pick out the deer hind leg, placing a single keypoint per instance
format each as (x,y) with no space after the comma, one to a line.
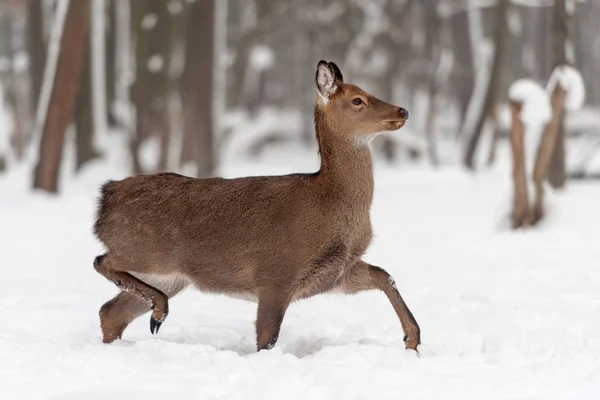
(118,313)
(137,298)
(271,309)
(364,276)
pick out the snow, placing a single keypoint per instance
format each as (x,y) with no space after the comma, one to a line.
(155,63)
(570,79)
(261,58)
(149,21)
(175,7)
(536,108)
(504,315)
(21,61)
(267,122)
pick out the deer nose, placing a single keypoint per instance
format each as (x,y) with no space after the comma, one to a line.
(404,113)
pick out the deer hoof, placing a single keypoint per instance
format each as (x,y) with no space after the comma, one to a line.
(154,324)
(411,343)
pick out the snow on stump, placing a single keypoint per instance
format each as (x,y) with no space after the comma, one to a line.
(530,109)
(567,93)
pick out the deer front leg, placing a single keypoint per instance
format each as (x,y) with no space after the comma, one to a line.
(271,309)
(118,313)
(364,276)
(158,301)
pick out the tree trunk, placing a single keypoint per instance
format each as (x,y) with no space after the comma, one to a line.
(84,130)
(561,36)
(16,87)
(430,125)
(151,88)
(198,83)
(163,37)
(500,52)
(546,149)
(496,136)
(521,215)
(557,176)
(140,90)
(434,54)
(256,34)
(64,92)
(110,60)
(462,83)
(37,49)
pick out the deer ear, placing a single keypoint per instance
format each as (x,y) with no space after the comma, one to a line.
(325,80)
(336,72)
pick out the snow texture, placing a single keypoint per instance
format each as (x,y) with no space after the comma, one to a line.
(504,315)
(570,79)
(536,108)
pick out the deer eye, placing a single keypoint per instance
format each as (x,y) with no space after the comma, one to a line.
(356,101)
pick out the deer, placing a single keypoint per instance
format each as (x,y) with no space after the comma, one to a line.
(273,240)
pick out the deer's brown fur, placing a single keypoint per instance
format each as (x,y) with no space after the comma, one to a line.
(275,239)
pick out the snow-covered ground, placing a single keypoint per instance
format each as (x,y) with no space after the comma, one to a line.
(504,315)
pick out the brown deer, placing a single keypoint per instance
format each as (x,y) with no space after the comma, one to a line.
(272,239)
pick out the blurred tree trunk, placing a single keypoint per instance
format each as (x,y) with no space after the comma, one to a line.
(110,59)
(462,82)
(154,31)
(197,88)
(434,55)
(62,98)
(521,215)
(494,82)
(394,41)
(84,131)
(561,38)
(546,149)
(162,37)
(140,90)
(15,86)
(37,49)
(254,35)
(496,135)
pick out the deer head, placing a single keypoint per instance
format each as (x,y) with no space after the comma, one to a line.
(350,112)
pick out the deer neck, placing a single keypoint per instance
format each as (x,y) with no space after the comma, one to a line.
(346,168)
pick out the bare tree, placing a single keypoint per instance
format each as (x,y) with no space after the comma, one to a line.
(154,33)
(561,43)
(434,52)
(521,215)
(37,48)
(110,60)
(546,149)
(84,130)
(62,99)
(197,88)
(494,82)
